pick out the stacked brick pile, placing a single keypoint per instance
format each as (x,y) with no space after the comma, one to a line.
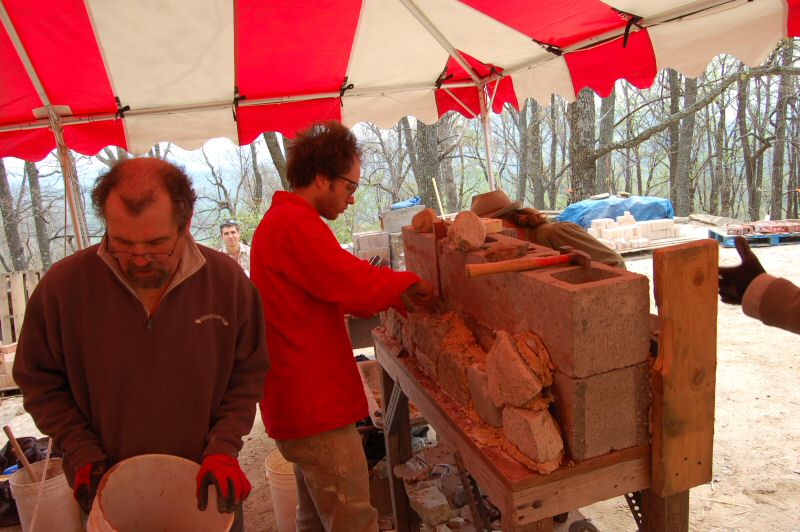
(592,325)
(627,233)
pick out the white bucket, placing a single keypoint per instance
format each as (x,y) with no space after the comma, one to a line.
(282,486)
(154,492)
(58,509)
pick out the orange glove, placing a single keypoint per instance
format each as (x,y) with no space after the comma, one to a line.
(224,472)
(87,479)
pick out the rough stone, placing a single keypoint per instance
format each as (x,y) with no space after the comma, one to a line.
(479,389)
(431,505)
(422,222)
(591,321)
(501,247)
(451,369)
(393,322)
(604,412)
(534,433)
(421,257)
(467,232)
(511,382)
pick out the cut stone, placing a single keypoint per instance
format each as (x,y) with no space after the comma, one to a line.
(452,372)
(534,433)
(423,221)
(501,247)
(605,412)
(431,505)
(479,389)
(421,257)
(467,232)
(511,381)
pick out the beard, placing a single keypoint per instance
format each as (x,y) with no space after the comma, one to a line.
(153,275)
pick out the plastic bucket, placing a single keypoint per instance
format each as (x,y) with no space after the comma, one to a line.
(154,492)
(282,487)
(58,510)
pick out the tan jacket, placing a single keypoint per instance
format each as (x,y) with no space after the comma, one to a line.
(774,301)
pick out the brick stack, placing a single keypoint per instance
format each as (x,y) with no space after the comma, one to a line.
(594,324)
(6,363)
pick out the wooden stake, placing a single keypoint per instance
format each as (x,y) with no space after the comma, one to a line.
(20,455)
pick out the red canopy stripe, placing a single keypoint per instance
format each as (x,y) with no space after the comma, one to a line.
(599,67)
(468,96)
(793,22)
(291,48)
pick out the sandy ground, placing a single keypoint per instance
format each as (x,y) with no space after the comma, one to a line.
(756,483)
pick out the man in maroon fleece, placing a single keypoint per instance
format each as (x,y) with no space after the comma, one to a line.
(146,342)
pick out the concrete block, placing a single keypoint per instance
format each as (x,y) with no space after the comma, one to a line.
(394,220)
(479,390)
(534,433)
(370,239)
(431,505)
(511,381)
(591,320)
(604,412)
(421,256)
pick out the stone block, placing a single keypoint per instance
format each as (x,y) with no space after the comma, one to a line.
(591,320)
(511,381)
(421,257)
(451,370)
(370,240)
(479,390)
(394,220)
(467,232)
(535,433)
(604,412)
(431,505)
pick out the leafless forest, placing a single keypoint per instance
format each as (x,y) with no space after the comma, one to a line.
(725,143)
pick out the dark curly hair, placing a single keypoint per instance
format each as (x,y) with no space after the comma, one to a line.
(326,148)
(174,179)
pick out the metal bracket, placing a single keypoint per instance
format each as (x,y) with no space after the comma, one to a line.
(634,501)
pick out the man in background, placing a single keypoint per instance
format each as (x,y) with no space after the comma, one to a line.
(233,247)
(313,395)
(146,342)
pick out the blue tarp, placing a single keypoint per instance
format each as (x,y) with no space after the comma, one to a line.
(641,207)
(406,203)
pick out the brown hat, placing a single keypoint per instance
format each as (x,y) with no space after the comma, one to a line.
(493,204)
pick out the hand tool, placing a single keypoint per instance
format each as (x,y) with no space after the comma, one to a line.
(568,255)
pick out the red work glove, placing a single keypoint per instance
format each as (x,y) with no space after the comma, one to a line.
(222,471)
(87,479)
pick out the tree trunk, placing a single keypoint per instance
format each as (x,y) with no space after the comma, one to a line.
(524,156)
(605,177)
(278,159)
(39,219)
(258,180)
(683,206)
(742,91)
(674,133)
(423,157)
(552,191)
(581,145)
(11,223)
(537,162)
(448,181)
(784,92)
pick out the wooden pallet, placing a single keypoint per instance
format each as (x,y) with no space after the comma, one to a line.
(754,239)
(655,244)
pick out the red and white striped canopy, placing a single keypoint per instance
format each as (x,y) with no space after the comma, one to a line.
(130,74)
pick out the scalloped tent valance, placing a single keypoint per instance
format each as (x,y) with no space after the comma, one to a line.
(130,74)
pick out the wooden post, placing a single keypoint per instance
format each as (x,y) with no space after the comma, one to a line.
(684,374)
(665,514)
(397,434)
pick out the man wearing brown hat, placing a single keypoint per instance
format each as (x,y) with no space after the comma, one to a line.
(532,225)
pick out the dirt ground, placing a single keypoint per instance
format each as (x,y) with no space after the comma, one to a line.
(756,483)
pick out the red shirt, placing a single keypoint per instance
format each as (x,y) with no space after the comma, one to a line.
(307,283)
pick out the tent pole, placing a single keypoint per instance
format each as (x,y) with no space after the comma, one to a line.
(68,172)
(487,135)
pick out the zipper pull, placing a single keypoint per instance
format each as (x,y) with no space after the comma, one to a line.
(149,324)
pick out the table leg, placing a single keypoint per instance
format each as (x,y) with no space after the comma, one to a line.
(397,434)
(665,514)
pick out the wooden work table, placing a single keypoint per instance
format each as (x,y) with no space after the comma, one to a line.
(659,475)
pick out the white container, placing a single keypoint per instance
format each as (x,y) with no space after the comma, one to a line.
(57,510)
(154,492)
(282,487)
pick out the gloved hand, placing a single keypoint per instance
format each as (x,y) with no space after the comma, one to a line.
(734,280)
(87,479)
(419,294)
(224,472)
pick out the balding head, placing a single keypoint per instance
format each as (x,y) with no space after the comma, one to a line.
(138,181)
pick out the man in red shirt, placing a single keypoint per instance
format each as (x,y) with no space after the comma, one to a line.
(313,394)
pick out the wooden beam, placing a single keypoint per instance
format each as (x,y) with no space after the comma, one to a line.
(397,435)
(684,374)
(665,514)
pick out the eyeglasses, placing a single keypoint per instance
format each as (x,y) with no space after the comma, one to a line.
(157,256)
(228,223)
(352,186)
